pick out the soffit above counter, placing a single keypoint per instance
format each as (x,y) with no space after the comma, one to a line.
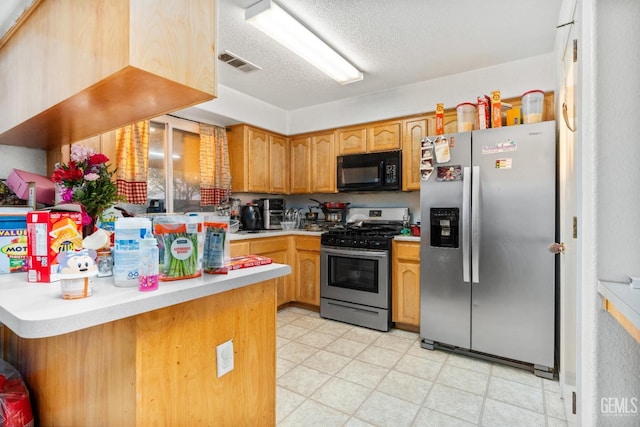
(121,64)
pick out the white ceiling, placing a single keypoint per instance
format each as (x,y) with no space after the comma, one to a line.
(393,42)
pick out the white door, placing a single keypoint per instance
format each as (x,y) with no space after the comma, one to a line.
(567,157)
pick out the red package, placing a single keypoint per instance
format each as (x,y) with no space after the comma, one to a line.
(243,261)
(15,406)
(484,112)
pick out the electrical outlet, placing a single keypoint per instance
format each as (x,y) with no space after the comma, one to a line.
(224,353)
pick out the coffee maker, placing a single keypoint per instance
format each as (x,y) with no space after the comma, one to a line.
(272,213)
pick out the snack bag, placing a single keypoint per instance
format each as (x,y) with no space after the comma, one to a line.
(216,247)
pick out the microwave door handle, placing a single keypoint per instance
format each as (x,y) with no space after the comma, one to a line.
(381,174)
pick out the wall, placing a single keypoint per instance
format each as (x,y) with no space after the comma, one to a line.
(610,250)
(513,79)
(28,159)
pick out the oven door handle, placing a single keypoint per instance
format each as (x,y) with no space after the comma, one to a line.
(352,253)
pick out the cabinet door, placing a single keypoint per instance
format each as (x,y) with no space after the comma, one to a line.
(239,248)
(450,121)
(323,163)
(308,277)
(406,283)
(307,289)
(384,136)
(282,283)
(258,159)
(276,248)
(413,131)
(300,182)
(352,140)
(278,165)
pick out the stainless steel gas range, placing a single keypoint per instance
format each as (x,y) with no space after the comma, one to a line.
(355,267)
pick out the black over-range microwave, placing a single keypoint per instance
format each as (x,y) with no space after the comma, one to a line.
(370,171)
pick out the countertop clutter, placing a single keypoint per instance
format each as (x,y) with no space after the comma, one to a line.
(35,310)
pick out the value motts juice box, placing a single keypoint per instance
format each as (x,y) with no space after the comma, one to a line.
(48,234)
(13,243)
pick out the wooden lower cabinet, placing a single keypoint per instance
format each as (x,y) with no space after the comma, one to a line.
(302,253)
(307,270)
(276,248)
(406,283)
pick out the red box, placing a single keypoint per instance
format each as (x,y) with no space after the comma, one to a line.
(439,119)
(50,232)
(18,181)
(484,112)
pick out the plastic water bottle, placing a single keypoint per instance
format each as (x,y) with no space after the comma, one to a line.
(149,268)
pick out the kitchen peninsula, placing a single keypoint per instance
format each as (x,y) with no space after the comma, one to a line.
(124,357)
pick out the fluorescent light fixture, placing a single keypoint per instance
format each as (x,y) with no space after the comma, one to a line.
(282,27)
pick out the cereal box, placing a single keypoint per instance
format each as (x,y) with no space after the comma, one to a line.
(439,119)
(13,243)
(496,109)
(50,232)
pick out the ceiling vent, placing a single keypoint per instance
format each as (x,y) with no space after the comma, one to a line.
(237,62)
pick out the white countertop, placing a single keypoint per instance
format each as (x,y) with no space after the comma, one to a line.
(403,238)
(245,235)
(624,298)
(37,310)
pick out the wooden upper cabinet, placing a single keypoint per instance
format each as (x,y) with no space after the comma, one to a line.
(384,136)
(300,175)
(75,69)
(414,130)
(352,140)
(378,136)
(323,163)
(258,160)
(278,164)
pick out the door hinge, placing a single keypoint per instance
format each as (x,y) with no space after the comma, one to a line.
(575,50)
(574,398)
(575,227)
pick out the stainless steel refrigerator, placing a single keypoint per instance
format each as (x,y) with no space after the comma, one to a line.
(488,214)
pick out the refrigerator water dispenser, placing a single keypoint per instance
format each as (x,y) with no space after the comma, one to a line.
(445,227)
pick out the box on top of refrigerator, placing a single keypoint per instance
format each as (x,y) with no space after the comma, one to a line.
(13,242)
(50,232)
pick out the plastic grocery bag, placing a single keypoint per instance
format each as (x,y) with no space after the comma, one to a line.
(15,406)
(179,243)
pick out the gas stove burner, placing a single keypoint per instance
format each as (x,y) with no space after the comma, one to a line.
(367,228)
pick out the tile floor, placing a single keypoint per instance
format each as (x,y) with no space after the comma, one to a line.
(334,374)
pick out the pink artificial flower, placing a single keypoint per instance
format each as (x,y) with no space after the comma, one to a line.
(66,194)
(91,177)
(80,153)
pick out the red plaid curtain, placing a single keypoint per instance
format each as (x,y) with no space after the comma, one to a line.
(215,177)
(132,154)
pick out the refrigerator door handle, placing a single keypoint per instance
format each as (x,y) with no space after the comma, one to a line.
(466,215)
(475,225)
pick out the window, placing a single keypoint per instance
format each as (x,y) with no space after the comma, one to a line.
(174,159)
